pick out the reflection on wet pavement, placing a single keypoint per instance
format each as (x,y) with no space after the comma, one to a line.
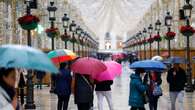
(46,101)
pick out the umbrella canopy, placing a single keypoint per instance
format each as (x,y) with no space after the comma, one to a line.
(89,66)
(18,56)
(175,59)
(148,65)
(113,69)
(61,55)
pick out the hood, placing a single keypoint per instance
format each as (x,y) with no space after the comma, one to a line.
(135,76)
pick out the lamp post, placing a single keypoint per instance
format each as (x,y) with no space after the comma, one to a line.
(188,11)
(157,28)
(30,91)
(86,48)
(52,9)
(144,35)
(78,32)
(150,29)
(138,37)
(168,23)
(73,30)
(65,21)
(83,43)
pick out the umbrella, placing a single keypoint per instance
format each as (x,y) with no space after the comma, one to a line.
(148,65)
(113,69)
(61,55)
(18,56)
(175,59)
(157,58)
(89,66)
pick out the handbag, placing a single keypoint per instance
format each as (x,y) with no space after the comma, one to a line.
(145,98)
(157,90)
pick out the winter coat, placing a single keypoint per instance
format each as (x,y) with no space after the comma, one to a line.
(104,85)
(83,89)
(137,89)
(63,83)
(177,82)
(4,100)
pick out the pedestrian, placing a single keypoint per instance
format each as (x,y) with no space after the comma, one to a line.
(40,75)
(8,97)
(21,86)
(155,81)
(63,87)
(176,78)
(83,92)
(137,89)
(103,89)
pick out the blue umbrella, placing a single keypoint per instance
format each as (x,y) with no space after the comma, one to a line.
(148,65)
(175,60)
(18,56)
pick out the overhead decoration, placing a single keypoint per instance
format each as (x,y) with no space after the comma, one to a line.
(52,32)
(170,35)
(187,30)
(150,40)
(28,22)
(157,38)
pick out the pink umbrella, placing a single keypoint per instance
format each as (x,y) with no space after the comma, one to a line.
(89,66)
(113,69)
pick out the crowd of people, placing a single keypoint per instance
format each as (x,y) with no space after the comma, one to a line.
(145,87)
(148,89)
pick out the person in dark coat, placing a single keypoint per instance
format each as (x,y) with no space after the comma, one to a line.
(176,78)
(103,89)
(63,86)
(154,79)
(137,89)
(83,92)
(39,75)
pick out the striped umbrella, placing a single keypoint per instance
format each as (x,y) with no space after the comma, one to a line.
(61,55)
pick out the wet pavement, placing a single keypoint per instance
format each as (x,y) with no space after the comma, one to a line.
(46,101)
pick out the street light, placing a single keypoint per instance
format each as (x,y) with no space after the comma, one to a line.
(78,32)
(86,41)
(144,34)
(82,41)
(52,9)
(168,23)
(30,91)
(188,11)
(138,37)
(157,26)
(150,29)
(168,20)
(65,21)
(73,30)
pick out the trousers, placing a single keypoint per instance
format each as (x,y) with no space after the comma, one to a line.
(108,96)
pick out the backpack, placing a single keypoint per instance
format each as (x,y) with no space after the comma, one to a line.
(157,90)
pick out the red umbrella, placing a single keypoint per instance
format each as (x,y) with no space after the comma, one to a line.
(89,66)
